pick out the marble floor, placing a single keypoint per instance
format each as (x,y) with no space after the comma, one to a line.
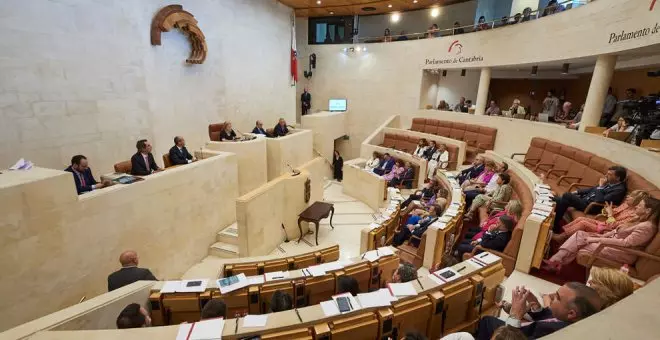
(350,217)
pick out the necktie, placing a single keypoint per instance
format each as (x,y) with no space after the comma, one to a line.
(146,162)
(82,179)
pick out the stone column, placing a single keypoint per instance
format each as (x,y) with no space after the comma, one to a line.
(482,94)
(600,82)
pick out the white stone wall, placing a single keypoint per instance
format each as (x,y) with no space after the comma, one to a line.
(80,76)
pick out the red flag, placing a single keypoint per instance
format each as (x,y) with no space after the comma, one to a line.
(294,56)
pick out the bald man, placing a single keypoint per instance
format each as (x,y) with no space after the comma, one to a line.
(129,272)
(179,155)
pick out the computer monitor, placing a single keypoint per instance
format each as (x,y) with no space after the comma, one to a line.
(337,105)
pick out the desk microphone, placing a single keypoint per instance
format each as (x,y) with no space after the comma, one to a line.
(293,127)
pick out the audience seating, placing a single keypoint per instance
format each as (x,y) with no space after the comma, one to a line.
(409,144)
(522,193)
(650,144)
(567,169)
(123,167)
(301,261)
(646,265)
(360,326)
(214,131)
(292,334)
(596,130)
(166,160)
(385,230)
(478,138)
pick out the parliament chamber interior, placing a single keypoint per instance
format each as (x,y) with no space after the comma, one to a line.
(332,169)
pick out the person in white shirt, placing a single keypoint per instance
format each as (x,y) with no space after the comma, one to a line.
(422,145)
(622,125)
(373,162)
(608,108)
(439,158)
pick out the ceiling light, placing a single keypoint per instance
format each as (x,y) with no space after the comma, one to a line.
(395,17)
(364,49)
(331,13)
(414,1)
(357,49)
(435,11)
(318,2)
(389,6)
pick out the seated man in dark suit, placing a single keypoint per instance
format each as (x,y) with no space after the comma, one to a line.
(611,188)
(473,171)
(495,239)
(179,155)
(385,166)
(82,175)
(571,303)
(143,163)
(259,129)
(129,272)
(417,229)
(281,128)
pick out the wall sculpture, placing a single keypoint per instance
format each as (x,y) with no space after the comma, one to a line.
(173,16)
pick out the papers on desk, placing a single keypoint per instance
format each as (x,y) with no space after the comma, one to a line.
(543,186)
(329,308)
(22,164)
(374,255)
(444,275)
(314,271)
(185,286)
(379,298)
(402,289)
(336,265)
(384,251)
(232,283)
(540,212)
(255,320)
(274,276)
(439,225)
(256,280)
(353,304)
(374,225)
(484,259)
(541,206)
(451,211)
(203,330)
(445,218)
(457,192)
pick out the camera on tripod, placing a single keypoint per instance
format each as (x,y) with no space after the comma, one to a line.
(644,114)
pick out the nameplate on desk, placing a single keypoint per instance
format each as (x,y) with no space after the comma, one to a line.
(274,276)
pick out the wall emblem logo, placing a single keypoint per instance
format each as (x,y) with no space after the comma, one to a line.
(456,46)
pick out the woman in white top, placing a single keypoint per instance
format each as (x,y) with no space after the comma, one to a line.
(439,158)
(422,145)
(373,162)
(622,125)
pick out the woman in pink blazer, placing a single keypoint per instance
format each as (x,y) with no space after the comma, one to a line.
(636,234)
(615,217)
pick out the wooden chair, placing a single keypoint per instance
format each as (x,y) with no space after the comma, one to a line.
(620,136)
(596,130)
(123,167)
(166,160)
(651,144)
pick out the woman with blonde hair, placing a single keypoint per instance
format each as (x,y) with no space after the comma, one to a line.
(612,285)
(443,106)
(614,216)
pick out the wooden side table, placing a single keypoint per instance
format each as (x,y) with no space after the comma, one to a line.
(314,214)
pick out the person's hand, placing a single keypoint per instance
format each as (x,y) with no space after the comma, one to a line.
(107,183)
(519,302)
(602,181)
(411,227)
(608,209)
(474,243)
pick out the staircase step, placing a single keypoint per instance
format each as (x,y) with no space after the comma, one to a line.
(228,235)
(224,250)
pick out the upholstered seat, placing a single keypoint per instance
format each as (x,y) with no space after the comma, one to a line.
(477,138)
(214,131)
(123,167)
(409,143)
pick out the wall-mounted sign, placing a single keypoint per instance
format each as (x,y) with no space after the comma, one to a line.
(456,49)
(640,33)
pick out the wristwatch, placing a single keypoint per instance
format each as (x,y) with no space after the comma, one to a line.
(513,321)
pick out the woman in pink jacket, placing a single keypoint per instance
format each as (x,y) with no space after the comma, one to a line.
(635,234)
(513,209)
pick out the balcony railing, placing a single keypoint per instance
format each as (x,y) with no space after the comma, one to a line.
(487,25)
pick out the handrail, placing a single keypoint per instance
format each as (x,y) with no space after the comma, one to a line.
(535,14)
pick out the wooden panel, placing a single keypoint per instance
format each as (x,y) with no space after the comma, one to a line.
(361,326)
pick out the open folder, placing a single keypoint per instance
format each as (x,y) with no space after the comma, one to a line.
(204,330)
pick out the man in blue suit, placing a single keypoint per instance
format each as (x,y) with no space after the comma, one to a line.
(385,166)
(82,175)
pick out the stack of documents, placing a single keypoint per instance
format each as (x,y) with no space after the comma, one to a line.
(402,289)
(203,330)
(232,283)
(374,255)
(379,298)
(255,320)
(484,259)
(314,271)
(184,286)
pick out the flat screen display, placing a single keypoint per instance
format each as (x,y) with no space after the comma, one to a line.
(337,105)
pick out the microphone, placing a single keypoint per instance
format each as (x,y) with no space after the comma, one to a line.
(293,127)
(294,172)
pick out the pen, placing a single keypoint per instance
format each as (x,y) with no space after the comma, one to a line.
(461,269)
(482,256)
(420,283)
(349,303)
(298,314)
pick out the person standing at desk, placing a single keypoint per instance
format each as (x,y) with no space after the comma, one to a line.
(179,155)
(82,175)
(281,129)
(306,100)
(142,162)
(259,129)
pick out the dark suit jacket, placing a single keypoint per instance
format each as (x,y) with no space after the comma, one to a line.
(541,328)
(306,97)
(89,180)
(496,240)
(279,131)
(471,172)
(178,157)
(419,231)
(610,193)
(138,168)
(429,153)
(387,165)
(258,131)
(128,275)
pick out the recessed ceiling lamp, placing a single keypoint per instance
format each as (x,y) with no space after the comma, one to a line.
(331,13)
(535,70)
(395,17)
(444,73)
(435,11)
(318,2)
(389,6)
(414,1)
(463,73)
(564,68)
